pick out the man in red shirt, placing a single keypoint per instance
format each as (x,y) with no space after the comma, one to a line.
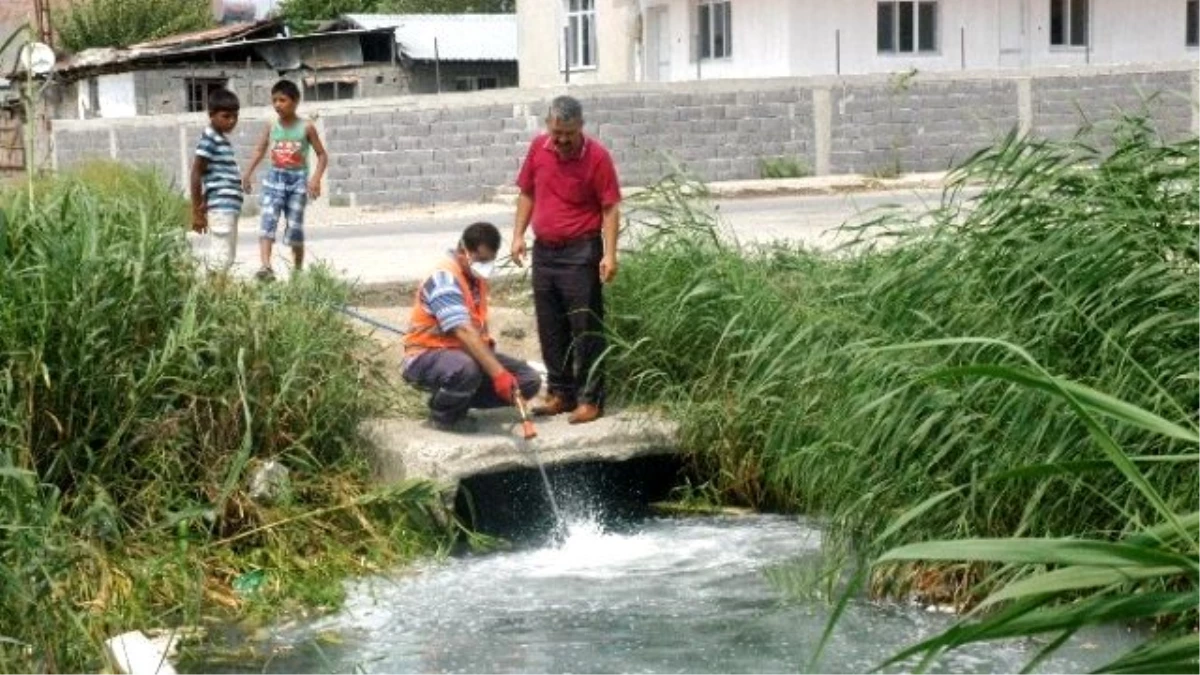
(569,191)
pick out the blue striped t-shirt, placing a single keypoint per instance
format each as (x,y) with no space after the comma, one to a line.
(222,180)
(443,298)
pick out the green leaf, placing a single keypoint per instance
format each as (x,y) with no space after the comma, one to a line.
(1090,611)
(1088,397)
(916,512)
(1079,577)
(1040,551)
(1174,655)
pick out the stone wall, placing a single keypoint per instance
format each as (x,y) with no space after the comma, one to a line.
(462,147)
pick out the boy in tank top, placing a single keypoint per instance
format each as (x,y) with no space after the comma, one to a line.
(288,185)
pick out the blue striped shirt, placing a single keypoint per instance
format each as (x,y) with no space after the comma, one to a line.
(222,181)
(443,298)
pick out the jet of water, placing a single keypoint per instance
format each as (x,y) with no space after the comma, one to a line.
(528,433)
(560,523)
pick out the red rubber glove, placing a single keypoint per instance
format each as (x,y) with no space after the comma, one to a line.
(505,386)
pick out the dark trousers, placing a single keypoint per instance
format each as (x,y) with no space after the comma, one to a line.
(569,304)
(456,382)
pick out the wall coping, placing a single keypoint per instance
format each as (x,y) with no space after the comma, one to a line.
(540,96)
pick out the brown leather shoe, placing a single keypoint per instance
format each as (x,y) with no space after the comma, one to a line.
(553,405)
(585,413)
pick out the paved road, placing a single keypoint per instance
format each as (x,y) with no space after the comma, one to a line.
(398,249)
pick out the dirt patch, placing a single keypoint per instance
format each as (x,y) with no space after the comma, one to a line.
(507,291)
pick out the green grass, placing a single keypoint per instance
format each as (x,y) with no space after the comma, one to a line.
(782,167)
(136,395)
(773,358)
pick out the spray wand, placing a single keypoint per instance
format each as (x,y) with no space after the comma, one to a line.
(527,430)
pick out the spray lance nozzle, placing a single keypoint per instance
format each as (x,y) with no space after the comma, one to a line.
(527,430)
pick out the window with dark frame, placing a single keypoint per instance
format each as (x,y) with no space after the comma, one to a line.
(1069,23)
(199,89)
(906,27)
(1192,38)
(714,20)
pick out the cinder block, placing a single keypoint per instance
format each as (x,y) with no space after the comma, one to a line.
(417,156)
(388,170)
(378,119)
(433,168)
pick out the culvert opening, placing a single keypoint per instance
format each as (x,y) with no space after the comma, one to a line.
(513,504)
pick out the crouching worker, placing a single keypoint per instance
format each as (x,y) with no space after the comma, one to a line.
(447,350)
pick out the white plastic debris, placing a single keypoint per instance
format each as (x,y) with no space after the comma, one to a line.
(133,653)
(269,482)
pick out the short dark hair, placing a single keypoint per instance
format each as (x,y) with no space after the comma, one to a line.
(222,100)
(481,234)
(287,88)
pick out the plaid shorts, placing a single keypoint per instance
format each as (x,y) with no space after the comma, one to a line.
(285,192)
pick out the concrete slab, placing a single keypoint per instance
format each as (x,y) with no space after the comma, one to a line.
(411,449)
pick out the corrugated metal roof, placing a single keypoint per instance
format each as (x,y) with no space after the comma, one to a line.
(213,35)
(107,56)
(104,56)
(460,37)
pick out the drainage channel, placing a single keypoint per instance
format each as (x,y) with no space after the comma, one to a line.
(623,591)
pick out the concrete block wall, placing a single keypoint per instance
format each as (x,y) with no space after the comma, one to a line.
(82,146)
(1060,103)
(919,126)
(166,144)
(155,146)
(425,156)
(719,135)
(420,150)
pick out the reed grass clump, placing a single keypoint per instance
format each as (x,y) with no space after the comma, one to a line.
(772,357)
(993,405)
(136,397)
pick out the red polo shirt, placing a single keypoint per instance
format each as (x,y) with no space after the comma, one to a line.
(568,194)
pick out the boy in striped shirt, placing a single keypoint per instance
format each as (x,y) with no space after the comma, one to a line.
(216,183)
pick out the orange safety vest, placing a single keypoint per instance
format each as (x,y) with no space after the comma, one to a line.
(423,331)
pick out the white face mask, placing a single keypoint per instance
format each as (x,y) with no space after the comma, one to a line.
(483,270)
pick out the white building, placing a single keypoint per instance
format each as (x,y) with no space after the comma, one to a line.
(612,41)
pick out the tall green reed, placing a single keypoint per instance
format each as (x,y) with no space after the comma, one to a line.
(136,394)
(770,357)
(1057,586)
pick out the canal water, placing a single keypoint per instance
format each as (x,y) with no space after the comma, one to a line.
(660,595)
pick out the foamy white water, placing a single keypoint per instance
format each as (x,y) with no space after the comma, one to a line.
(662,596)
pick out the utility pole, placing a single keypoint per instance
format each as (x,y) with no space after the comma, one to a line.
(41,17)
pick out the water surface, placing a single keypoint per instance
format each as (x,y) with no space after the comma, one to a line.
(659,596)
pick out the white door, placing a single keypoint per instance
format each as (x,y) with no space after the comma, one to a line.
(658,45)
(1013,43)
